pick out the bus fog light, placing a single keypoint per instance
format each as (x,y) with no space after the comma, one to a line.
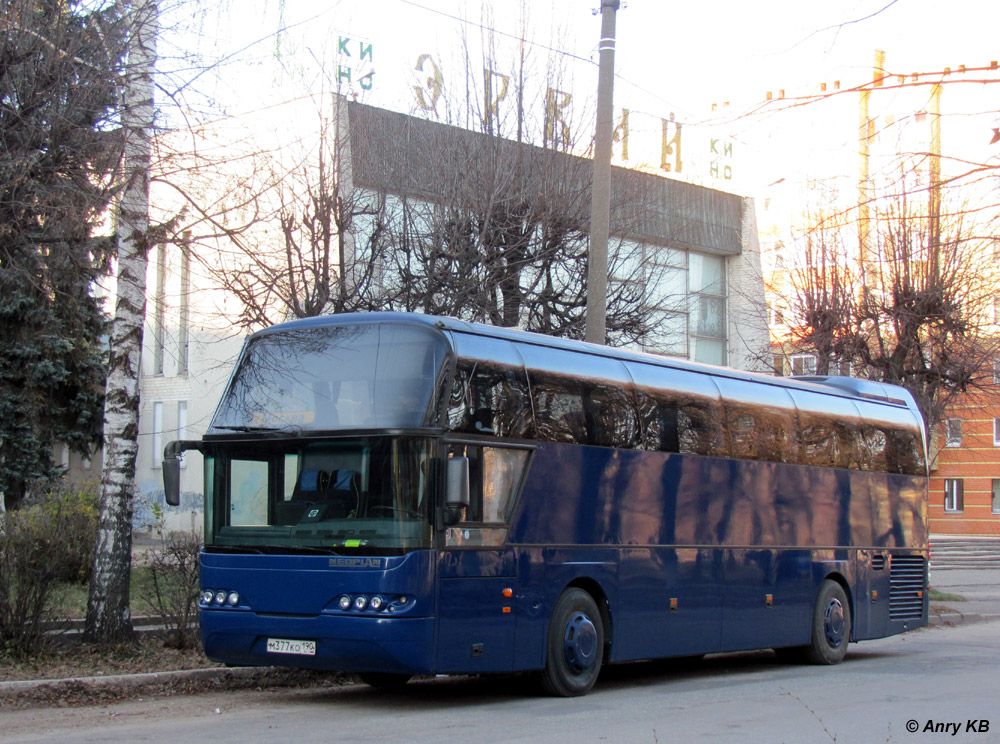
(376,603)
(207,596)
(233,599)
(220,597)
(344,602)
(360,602)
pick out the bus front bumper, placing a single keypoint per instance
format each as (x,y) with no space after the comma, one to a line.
(349,644)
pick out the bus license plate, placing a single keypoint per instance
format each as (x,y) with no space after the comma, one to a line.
(285,646)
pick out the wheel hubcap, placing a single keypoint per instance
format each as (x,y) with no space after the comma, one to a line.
(580,643)
(834,623)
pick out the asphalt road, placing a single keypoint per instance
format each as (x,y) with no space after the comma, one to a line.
(937,677)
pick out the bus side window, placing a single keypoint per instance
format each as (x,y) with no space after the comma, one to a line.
(904,453)
(681,424)
(761,421)
(820,445)
(489,398)
(559,409)
(494,478)
(669,427)
(873,449)
(610,415)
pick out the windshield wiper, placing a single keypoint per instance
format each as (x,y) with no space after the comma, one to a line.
(270,549)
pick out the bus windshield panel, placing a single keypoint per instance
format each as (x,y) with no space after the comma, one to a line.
(369,495)
(334,377)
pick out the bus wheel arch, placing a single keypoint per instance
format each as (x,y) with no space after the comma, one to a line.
(576,642)
(831,622)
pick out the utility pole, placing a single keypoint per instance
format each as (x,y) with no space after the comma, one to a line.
(600,205)
(935,174)
(865,135)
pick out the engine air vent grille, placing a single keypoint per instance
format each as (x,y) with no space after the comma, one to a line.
(906,586)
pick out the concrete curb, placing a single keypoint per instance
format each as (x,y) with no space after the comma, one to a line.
(129,681)
(959,618)
(137,681)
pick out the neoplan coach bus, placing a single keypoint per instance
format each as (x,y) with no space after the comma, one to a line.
(397,495)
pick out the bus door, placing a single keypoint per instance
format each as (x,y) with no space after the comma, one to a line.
(478,586)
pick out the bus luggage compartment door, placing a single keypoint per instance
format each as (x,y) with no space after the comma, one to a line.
(476,611)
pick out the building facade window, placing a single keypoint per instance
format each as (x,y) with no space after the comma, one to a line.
(995,488)
(157,435)
(996,371)
(953,432)
(778,364)
(840,368)
(687,295)
(954,494)
(184,320)
(182,422)
(775,314)
(707,287)
(803,364)
(996,432)
(159,309)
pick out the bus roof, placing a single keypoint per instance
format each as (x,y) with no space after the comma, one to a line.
(848,387)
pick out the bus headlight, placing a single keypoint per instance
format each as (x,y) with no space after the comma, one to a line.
(344,602)
(376,603)
(360,602)
(220,597)
(233,599)
(207,596)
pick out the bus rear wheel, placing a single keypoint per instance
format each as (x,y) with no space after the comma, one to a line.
(575,645)
(831,625)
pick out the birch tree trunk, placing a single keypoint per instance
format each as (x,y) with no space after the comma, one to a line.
(108,613)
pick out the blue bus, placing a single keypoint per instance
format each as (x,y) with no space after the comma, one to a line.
(396,494)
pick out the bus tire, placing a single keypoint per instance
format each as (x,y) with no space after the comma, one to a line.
(575,646)
(831,625)
(384,680)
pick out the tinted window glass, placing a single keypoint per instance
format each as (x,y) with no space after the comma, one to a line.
(490,391)
(873,455)
(830,434)
(580,398)
(893,438)
(680,411)
(335,377)
(760,421)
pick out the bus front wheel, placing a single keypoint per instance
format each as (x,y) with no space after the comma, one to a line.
(831,625)
(575,645)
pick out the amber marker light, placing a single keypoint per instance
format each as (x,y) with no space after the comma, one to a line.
(508,593)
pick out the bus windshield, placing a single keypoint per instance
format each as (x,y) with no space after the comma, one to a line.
(368,495)
(330,377)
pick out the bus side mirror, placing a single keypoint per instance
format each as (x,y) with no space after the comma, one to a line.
(172,470)
(457,494)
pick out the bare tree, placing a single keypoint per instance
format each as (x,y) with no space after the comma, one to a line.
(277,228)
(917,312)
(474,221)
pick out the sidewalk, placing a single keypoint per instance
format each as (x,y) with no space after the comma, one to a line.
(981,589)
